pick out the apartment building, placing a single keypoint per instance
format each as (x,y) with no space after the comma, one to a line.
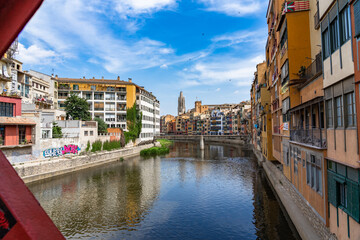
(109,99)
(16,132)
(304,159)
(163,122)
(150,108)
(217,122)
(341,122)
(43,91)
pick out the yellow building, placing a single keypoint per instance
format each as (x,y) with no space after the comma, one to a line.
(109,99)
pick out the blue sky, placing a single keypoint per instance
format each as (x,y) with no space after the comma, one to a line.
(206,48)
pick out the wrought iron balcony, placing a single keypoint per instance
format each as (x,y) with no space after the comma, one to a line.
(314,137)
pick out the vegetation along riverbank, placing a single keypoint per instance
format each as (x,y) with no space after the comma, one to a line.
(153,151)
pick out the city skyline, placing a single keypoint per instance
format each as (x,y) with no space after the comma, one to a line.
(138,40)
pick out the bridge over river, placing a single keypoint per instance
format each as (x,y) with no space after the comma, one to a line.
(225,139)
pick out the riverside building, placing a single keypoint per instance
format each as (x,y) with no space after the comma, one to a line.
(341,121)
(313,77)
(109,99)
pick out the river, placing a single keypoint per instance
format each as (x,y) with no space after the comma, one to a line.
(218,193)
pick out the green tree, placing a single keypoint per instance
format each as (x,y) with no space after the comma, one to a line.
(102,127)
(134,121)
(77,108)
(56,131)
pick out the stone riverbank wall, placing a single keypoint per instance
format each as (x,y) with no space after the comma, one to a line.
(306,222)
(47,168)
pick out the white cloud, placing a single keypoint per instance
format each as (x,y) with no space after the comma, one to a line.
(218,90)
(35,54)
(236,8)
(257,37)
(236,92)
(222,70)
(72,29)
(136,7)
(164,66)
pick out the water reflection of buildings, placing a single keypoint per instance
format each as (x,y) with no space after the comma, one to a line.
(268,217)
(117,196)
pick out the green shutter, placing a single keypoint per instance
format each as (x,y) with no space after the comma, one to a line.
(331,188)
(353,199)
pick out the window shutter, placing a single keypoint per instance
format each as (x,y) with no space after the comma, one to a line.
(332,189)
(353,199)
(357,18)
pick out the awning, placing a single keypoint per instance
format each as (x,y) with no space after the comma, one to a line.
(16,121)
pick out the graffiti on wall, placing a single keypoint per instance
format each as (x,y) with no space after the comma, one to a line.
(66,149)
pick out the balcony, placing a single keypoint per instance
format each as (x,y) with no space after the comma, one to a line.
(308,74)
(64,87)
(315,68)
(97,97)
(314,137)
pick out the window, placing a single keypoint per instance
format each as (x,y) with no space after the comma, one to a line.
(86,133)
(22,134)
(314,173)
(283,38)
(286,117)
(285,73)
(345,26)
(91,133)
(286,155)
(342,194)
(6,109)
(334,33)
(338,112)
(2,135)
(93,87)
(329,117)
(325,43)
(350,109)
(45,134)
(75,87)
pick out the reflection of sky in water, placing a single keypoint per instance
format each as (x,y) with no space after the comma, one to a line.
(192,194)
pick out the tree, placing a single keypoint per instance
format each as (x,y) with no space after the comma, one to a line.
(56,131)
(77,108)
(134,120)
(102,127)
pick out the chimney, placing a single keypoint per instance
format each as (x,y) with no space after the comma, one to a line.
(118,78)
(52,75)
(130,80)
(93,77)
(83,77)
(56,76)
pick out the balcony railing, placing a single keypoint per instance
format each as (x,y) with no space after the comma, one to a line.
(314,137)
(315,68)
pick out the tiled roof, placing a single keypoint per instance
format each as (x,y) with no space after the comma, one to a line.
(16,121)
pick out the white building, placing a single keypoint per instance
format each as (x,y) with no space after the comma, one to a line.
(150,108)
